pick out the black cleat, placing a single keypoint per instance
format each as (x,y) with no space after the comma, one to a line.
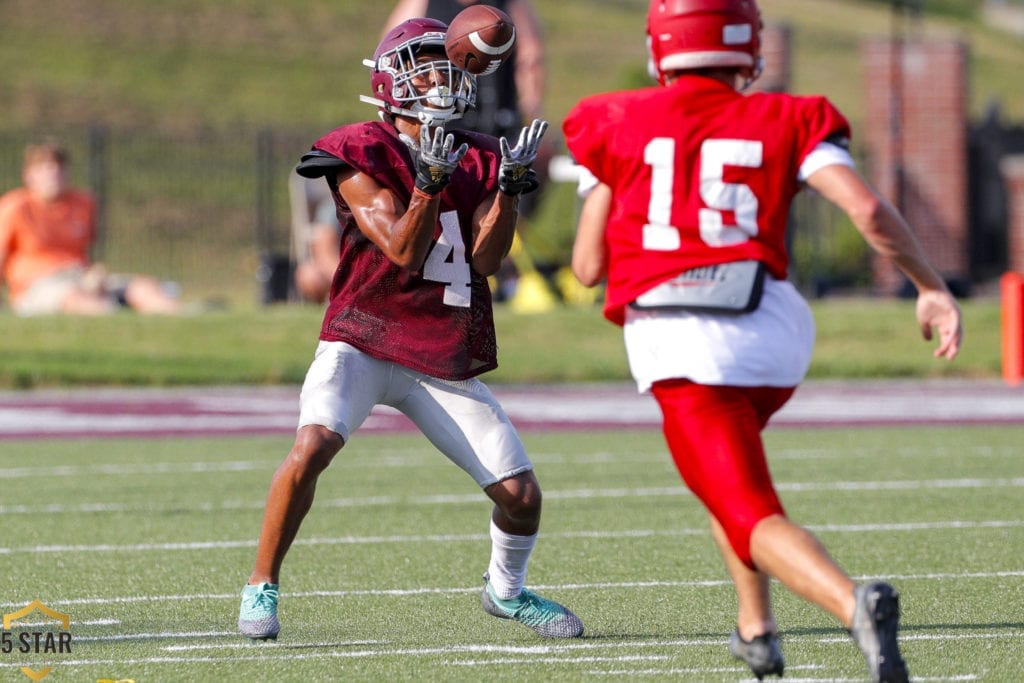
(876,619)
(763,653)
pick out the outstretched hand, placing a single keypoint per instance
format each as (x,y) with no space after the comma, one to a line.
(433,158)
(515,175)
(939,311)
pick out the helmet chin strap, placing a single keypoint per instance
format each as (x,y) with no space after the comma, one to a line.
(754,74)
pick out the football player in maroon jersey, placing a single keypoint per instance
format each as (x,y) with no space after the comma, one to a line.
(689,187)
(426,216)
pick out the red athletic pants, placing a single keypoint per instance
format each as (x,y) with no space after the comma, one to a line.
(714,435)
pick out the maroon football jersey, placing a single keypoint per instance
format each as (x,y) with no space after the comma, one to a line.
(437,320)
(700,175)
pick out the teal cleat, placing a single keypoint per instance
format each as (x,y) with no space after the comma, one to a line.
(257,617)
(545,617)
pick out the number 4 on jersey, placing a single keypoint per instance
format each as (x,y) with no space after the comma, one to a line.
(446,263)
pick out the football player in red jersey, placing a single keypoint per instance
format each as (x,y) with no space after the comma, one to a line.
(425,217)
(685,218)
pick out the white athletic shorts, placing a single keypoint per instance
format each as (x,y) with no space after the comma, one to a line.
(46,295)
(768,347)
(462,419)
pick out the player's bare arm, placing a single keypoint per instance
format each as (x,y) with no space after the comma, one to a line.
(880,225)
(885,230)
(589,254)
(403,233)
(494,226)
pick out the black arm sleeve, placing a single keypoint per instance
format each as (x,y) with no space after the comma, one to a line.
(840,140)
(318,163)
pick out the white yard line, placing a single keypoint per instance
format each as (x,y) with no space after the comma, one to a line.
(564,652)
(414,592)
(479,537)
(74,622)
(426,457)
(565,494)
(121,469)
(154,636)
(242,643)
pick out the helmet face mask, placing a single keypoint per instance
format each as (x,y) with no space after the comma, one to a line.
(704,34)
(413,77)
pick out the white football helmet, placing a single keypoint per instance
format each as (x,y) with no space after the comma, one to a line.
(395,71)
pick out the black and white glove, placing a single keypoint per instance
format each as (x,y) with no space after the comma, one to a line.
(515,175)
(434,159)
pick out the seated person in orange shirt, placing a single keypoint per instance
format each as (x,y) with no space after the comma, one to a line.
(46,230)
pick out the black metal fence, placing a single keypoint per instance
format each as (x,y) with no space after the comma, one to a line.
(210,209)
(206,210)
(989,140)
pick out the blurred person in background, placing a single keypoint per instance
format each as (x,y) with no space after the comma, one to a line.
(685,218)
(47,229)
(506,100)
(426,217)
(314,273)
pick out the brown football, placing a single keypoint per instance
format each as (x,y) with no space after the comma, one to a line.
(479,39)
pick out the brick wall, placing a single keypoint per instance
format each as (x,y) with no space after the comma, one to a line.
(926,128)
(1012,168)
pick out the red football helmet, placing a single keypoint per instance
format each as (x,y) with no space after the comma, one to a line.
(699,34)
(395,69)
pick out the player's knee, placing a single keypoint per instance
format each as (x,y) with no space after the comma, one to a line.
(525,509)
(314,449)
(519,498)
(739,529)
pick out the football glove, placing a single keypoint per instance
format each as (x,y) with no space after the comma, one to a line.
(434,159)
(515,175)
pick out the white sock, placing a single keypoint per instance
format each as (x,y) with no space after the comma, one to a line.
(509,555)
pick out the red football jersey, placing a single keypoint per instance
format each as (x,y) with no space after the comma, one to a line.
(700,175)
(438,320)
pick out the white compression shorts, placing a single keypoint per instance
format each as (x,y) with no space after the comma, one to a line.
(462,419)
